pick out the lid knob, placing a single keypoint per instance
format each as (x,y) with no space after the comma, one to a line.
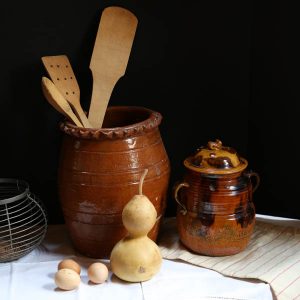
(217,145)
(216,159)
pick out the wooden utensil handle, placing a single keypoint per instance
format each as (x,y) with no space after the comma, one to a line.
(97,111)
(81,115)
(73,117)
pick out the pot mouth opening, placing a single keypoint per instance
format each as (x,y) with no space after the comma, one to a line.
(119,122)
(123,117)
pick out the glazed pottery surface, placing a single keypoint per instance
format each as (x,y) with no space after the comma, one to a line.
(99,173)
(215,215)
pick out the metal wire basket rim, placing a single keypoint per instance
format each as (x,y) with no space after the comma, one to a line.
(18,182)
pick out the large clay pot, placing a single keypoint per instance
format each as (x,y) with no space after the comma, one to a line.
(99,173)
(216,214)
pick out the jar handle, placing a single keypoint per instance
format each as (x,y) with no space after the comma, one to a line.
(257,179)
(177,187)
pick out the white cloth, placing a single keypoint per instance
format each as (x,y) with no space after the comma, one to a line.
(32,278)
(273,255)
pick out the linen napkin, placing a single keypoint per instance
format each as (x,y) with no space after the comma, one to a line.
(35,280)
(32,277)
(273,256)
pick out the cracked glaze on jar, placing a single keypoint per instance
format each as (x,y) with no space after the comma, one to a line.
(215,215)
(99,173)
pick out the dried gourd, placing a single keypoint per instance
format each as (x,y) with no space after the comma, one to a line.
(136,257)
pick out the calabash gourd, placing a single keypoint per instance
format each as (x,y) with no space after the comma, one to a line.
(136,257)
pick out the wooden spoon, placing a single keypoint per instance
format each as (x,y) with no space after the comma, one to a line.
(56,99)
(61,73)
(110,57)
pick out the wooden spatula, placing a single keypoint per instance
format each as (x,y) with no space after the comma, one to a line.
(55,98)
(110,57)
(62,75)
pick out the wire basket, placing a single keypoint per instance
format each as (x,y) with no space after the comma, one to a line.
(23,220)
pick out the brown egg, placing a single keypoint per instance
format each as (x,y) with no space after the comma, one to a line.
(69,264)
(67,279)
(97,272)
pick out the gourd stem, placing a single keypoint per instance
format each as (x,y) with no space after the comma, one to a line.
(142,182)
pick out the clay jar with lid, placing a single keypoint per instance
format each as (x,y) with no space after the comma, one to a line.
(216,214)
(100,170)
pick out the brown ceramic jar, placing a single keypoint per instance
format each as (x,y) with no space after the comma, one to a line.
(215,213)
(99,173)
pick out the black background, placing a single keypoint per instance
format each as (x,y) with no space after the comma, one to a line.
(213,69)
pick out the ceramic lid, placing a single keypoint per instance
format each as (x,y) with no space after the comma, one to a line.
(216,159)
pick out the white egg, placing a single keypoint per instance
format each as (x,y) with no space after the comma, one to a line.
(67,279)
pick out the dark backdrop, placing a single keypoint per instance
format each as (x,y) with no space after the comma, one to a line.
(214,69)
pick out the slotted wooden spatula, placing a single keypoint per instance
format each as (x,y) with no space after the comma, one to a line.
(110,57)
(62,75)
(56,99)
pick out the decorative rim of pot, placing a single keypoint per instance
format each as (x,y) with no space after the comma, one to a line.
(152,121)
(216,159)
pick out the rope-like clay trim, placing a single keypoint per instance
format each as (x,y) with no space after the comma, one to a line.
(113,133)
